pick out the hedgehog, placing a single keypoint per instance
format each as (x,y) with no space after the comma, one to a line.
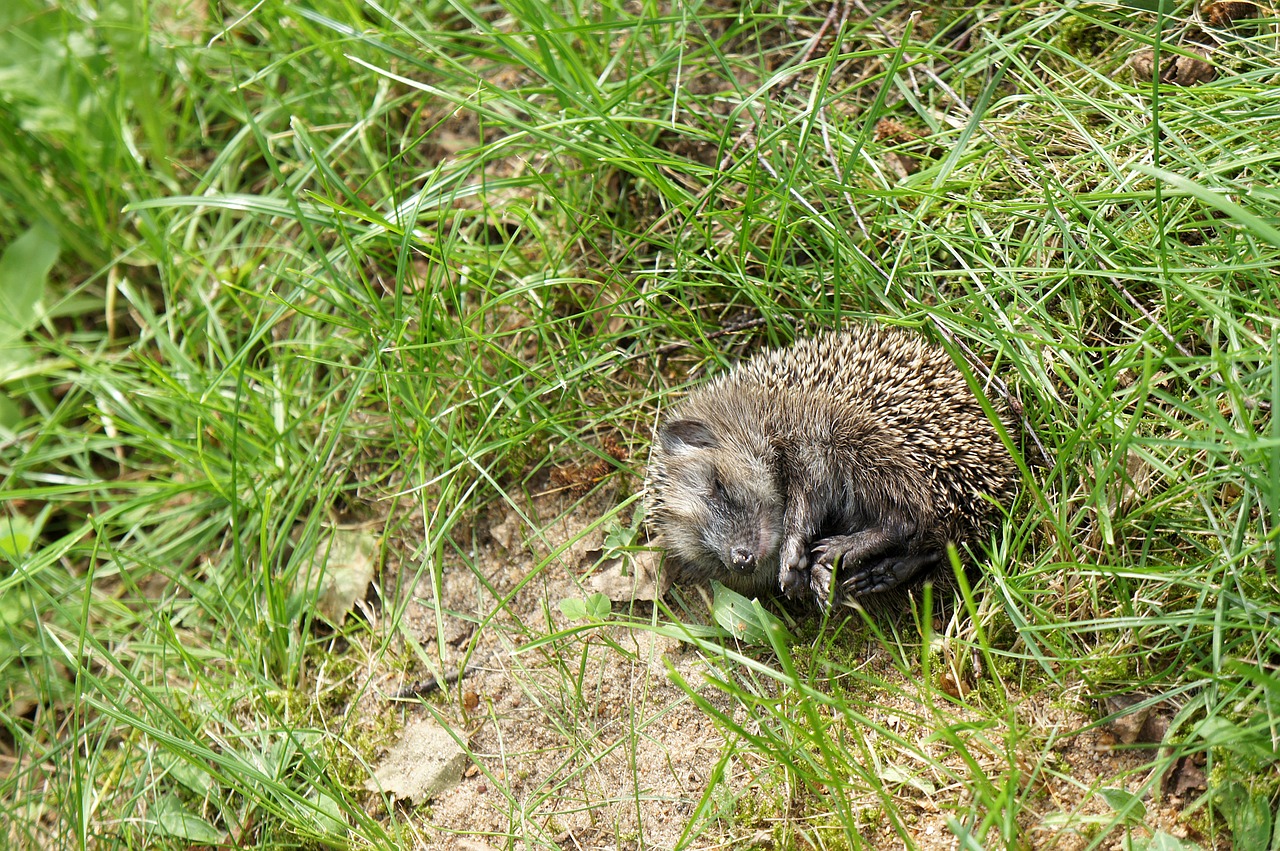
(834,470)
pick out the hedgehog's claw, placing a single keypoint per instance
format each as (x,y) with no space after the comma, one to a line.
(793,571)
(792,581)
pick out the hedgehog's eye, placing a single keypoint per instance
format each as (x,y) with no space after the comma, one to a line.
(718,490)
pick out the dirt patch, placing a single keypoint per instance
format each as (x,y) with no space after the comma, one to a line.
(578,735)
(576,730)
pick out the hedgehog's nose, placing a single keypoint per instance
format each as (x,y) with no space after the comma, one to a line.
(743,558)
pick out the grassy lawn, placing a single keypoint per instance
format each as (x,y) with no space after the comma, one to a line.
(333,335)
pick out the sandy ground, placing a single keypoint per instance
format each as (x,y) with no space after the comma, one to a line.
(581,738)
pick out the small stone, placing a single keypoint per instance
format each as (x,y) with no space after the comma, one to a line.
(1176,69)
(425,763)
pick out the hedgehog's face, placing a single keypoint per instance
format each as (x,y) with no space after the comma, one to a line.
(720,508)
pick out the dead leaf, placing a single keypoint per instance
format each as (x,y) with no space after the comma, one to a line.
(580,478)
(900,165)
(636,576)
(348,565)
(1224,14)
(1186,780)
(948,682)
(1138,480)
(894,131)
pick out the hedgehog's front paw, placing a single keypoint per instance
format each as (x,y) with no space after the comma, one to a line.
(828,559)
(820,584)
(793,572)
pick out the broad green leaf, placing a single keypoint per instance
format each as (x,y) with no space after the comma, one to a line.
(24,269)
(1161,841)
(10,413)
(190,776)
(1125,803)
(16,535)
(1218,732)
(574,608)
(896,774)
(327,816)
(1247,813)
(745,619)
(15,609)
(594,607)
(598,606)
(172,819)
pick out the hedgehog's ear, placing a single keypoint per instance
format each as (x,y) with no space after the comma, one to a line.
(683,436)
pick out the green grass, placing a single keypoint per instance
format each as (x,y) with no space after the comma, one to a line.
(290,267)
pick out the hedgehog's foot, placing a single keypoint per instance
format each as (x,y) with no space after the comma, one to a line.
(839,553)
(793,570)
(820,585)
(885,574)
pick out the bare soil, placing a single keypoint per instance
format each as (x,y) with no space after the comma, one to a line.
(581,738)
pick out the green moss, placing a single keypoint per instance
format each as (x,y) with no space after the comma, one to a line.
(1085,39)
(1110,668)
(350,759)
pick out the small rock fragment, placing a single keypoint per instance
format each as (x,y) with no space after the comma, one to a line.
(1176,69)
(426,762)
(1147,725)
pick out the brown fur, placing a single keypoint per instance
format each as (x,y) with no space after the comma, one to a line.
(835,469)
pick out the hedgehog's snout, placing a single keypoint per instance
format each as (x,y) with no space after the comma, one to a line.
(744,556)
(747,541)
